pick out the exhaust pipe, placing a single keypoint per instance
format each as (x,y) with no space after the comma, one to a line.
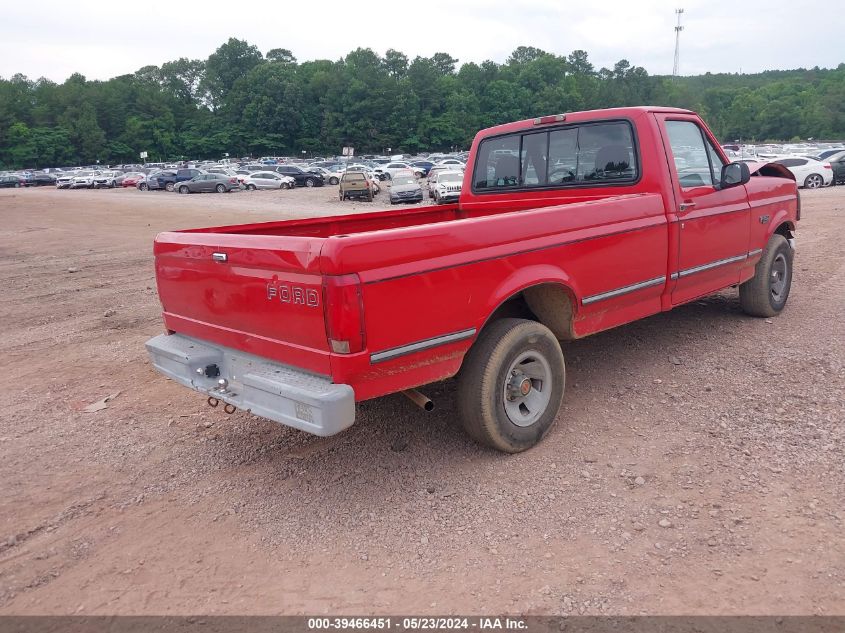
(423,402)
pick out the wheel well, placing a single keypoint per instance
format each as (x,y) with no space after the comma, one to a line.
(785,230)
(550,304)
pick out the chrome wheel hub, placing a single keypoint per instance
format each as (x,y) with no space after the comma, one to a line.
(527,389)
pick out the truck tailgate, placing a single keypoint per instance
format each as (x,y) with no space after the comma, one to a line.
(261,294)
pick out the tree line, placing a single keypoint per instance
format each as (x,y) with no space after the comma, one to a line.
(243,102)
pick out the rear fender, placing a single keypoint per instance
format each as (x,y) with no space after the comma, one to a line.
(545,288)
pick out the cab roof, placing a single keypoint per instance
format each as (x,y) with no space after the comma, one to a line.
(633,112)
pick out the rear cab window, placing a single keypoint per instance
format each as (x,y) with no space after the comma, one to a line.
(580,155)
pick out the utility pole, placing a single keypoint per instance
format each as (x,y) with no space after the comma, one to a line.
(678,30)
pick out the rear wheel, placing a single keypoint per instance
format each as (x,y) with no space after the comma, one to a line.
(511,385)
(813,181)
(765,294)
(251,187)
(169,186)
(220,188)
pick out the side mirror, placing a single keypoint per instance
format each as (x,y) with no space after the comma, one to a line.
(734,174)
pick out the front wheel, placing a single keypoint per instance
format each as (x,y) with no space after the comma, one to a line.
(183,189)
(309,182)
(511,385)
(813,181)
(765,294)
(333,180)
(143,186)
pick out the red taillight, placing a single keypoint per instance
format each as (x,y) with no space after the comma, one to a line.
(827,166)
(344,313)
(233,181)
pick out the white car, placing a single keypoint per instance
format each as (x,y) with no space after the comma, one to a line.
(84,179)
(447,186)
(452,162)
(107,179)
(809,172)
(65,180)
(393,168)
(267,180)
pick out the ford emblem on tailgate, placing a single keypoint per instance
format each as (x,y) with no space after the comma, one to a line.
(293,294)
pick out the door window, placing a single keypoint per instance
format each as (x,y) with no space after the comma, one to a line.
(688,149)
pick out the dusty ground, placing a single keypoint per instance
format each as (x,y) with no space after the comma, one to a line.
(729,428)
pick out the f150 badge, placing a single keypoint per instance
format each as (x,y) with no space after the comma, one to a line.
(293,294)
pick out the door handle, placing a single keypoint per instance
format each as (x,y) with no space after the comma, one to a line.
(686,206)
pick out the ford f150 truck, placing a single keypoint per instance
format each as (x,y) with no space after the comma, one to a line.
(566,225)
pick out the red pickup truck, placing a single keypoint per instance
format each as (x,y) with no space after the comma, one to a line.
(566,225)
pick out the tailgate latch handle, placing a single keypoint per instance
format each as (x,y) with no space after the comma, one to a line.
(220,257)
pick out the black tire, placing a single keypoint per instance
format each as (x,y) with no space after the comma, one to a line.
(169,186)
(765,294)
(487,376)
(251,187)
(436,198)
(184,189)
(813,181)
(309,182)
(220,188)
(143,186)
(333,180)
(370,196)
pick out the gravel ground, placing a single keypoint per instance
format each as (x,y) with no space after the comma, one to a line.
(696,467)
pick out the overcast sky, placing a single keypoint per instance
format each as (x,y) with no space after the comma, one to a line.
(105,38)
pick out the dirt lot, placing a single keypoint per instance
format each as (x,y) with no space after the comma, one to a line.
(698,465)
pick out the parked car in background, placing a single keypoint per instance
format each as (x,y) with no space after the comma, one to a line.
(837,165)
(809,172)
(107,179)
(131,179)
(266,180)
(208,183)
(331,176)
(447,186)
(452,162)
(302,178)
(11,180)
(826,154)
(422,167)
(432,176)
(158,180)
(395,167)
(188,173)
(40,179)
(64,180)
(404,187)
(83,180)
(356,184)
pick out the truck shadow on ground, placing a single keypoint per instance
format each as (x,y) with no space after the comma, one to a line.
(392,428)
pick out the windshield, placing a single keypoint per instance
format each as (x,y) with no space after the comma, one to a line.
(404,180)
(450,178)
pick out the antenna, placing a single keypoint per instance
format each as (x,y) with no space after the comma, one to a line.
(678,30)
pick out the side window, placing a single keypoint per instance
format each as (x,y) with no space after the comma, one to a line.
(690,155)
(716,163)
(498,163)
(533,159)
